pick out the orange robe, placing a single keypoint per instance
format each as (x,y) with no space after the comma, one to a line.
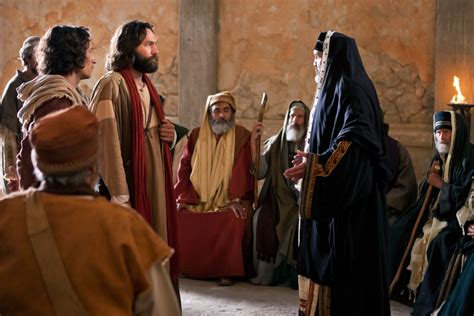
(110,255)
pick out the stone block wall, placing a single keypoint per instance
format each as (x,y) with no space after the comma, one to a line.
(20,19)
(265,46)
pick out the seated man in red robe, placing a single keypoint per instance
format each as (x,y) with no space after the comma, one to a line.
(214,196)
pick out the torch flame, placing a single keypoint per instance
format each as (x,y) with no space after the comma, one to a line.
(459,98)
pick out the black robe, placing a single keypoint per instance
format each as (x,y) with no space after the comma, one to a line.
(343,241)
(443,205)
(460,302)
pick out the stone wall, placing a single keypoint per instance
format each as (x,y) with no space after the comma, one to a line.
(20,19)
(265,45)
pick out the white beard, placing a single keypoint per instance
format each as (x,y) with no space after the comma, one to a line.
(294,133)
(442,148)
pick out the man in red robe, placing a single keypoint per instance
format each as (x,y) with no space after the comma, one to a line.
(215,194)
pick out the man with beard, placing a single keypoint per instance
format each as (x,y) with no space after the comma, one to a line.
(275,220)
(10,104)
(215,194)
(65,57)
(343,226)
(438,230)
(135,162)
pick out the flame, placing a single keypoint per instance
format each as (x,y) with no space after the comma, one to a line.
(459,98)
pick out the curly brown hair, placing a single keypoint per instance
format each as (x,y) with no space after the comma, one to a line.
(124,42)
(62,50)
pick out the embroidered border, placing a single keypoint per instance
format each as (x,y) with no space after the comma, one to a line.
(336,156)
(309,180)
(312,171)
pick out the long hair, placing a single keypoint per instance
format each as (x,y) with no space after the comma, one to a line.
(124,42)
(62,50)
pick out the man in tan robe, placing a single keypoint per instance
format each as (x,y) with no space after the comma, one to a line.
(135,161)
(66,251)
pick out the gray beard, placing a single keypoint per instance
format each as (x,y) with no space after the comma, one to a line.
(442,148)
(294,133)
(221,127)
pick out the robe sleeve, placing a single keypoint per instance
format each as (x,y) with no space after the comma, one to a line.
(184,189)
(451,198)
(160,298)
(146,256)
(346,175)
(111,168)
(242,181)
(10,105)
(264,159)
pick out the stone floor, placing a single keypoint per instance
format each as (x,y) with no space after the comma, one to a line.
(207,298)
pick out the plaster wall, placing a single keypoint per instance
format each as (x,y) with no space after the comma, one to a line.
(265,46)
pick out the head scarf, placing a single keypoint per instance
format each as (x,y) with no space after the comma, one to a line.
(212,161)
(286,206)
(346,105)
(455,165)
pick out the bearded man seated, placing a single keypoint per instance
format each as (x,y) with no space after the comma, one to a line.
(214,194)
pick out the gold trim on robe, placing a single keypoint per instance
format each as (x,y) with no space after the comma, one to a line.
(314,169)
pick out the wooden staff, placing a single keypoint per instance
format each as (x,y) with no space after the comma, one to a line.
(263,104)
(436,169)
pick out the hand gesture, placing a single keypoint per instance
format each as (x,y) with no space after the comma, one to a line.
(299,164)
(435,180)
(257,131)
(470,230)
(182,207)
(166,131)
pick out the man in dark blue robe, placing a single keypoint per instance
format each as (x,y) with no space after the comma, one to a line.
(343,225)
(419,254)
